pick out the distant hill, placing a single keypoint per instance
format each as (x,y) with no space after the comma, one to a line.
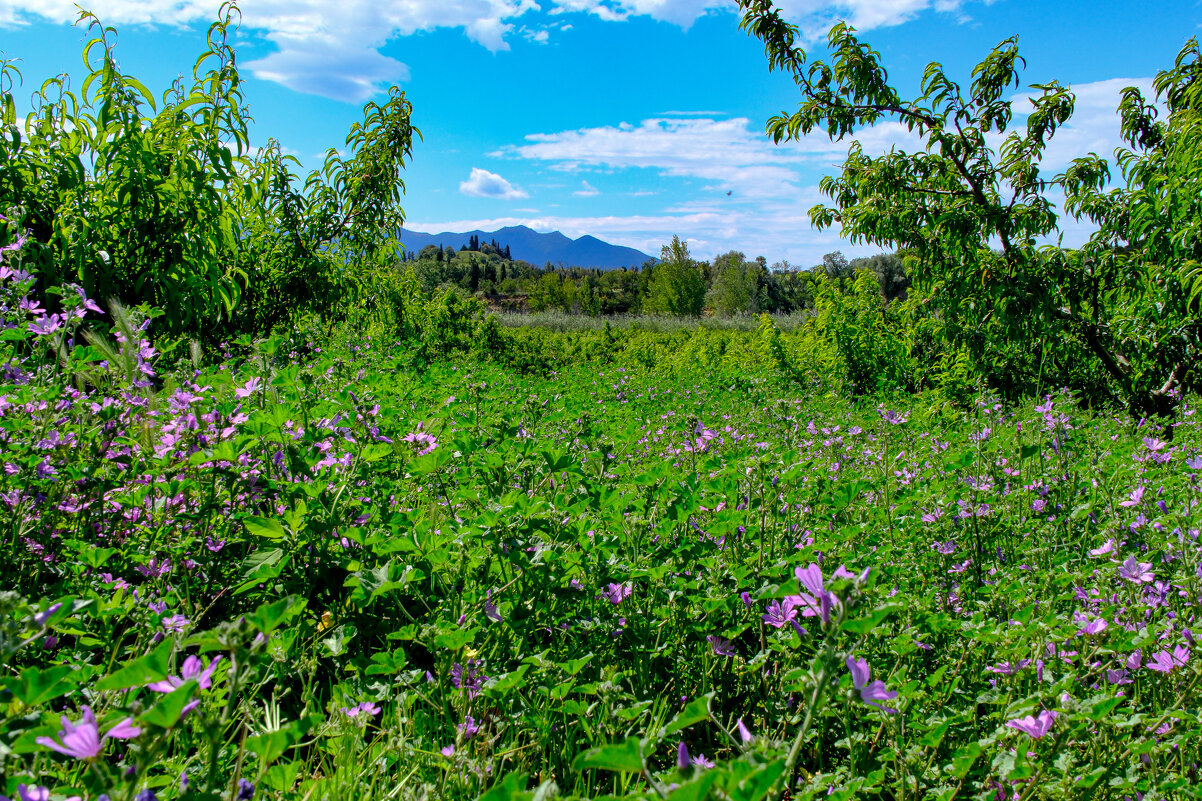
(538,249)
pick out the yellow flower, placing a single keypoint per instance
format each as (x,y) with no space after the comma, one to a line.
(470,653)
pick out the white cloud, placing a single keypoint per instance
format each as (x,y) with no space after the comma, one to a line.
(482,183)
(772,187)
(586,190)
(332,49)
(813,16)
(729,154)
(323,48)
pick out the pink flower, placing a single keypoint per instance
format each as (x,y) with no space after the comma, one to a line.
(248,389)
(192,669)
(869,693)
(1035,726)
(1136,571)
(82,740)
(1164,662)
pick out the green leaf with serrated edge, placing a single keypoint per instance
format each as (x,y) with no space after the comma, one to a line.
(36,686)
(140,672)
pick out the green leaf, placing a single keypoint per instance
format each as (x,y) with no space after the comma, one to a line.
(624,757)
(511,788)
(697,710)
(271,745)
(757,785)
(166,713)
(269,616)
(864,625)
(265,527)
(34,686)
(455,639)
(696,790)
(140,672)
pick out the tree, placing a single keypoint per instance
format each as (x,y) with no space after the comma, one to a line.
(734,285)
(1121,300)
(677,285)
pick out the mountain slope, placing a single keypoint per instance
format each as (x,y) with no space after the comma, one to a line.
(529,245)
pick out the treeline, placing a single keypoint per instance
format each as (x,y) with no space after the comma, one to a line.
(678,285)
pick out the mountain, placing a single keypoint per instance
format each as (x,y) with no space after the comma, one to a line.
(538,249)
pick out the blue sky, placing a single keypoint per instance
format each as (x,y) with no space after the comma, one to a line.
(630,120)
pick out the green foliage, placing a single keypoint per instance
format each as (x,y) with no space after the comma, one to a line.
(1120,300)
(159,200)
(677,283)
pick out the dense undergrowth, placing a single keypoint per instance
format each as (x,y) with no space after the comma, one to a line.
(343,569)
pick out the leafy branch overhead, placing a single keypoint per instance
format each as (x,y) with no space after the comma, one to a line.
(976,210)
(164,201)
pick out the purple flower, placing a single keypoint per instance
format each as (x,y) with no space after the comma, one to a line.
(1035,726)
(721,645)
(1090,626)
(1008,668)
(82,740)
(425,443)
(779,613)
(744,733)
(469,728)
(192,670)
(682,756)
(246,790)
(468,677)
(869,693)
(35,793)
(447,751)
(1136,571)
(248,389)
(175,624)
(1164,662)
(616,593)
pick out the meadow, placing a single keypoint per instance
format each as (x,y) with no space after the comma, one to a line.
(336,570)
(284,515)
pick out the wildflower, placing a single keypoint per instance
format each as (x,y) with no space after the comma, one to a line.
(1105,549)
(1165,662)
(82,739)
(41,617)
(192,670)
(246,790)
(27,793)
(468,677)
(1117,677)
(1035,726)
(425,443)
(490,609)
(1090,626)
(249,388)
(174,624)
(721,645)
(682,756)
(1008,668)
(869,693)
(744,732)
(447,751)
(779,613)
(1136,571)
(616,593)
(469,728)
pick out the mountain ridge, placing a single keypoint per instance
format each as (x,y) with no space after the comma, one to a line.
(537,248)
